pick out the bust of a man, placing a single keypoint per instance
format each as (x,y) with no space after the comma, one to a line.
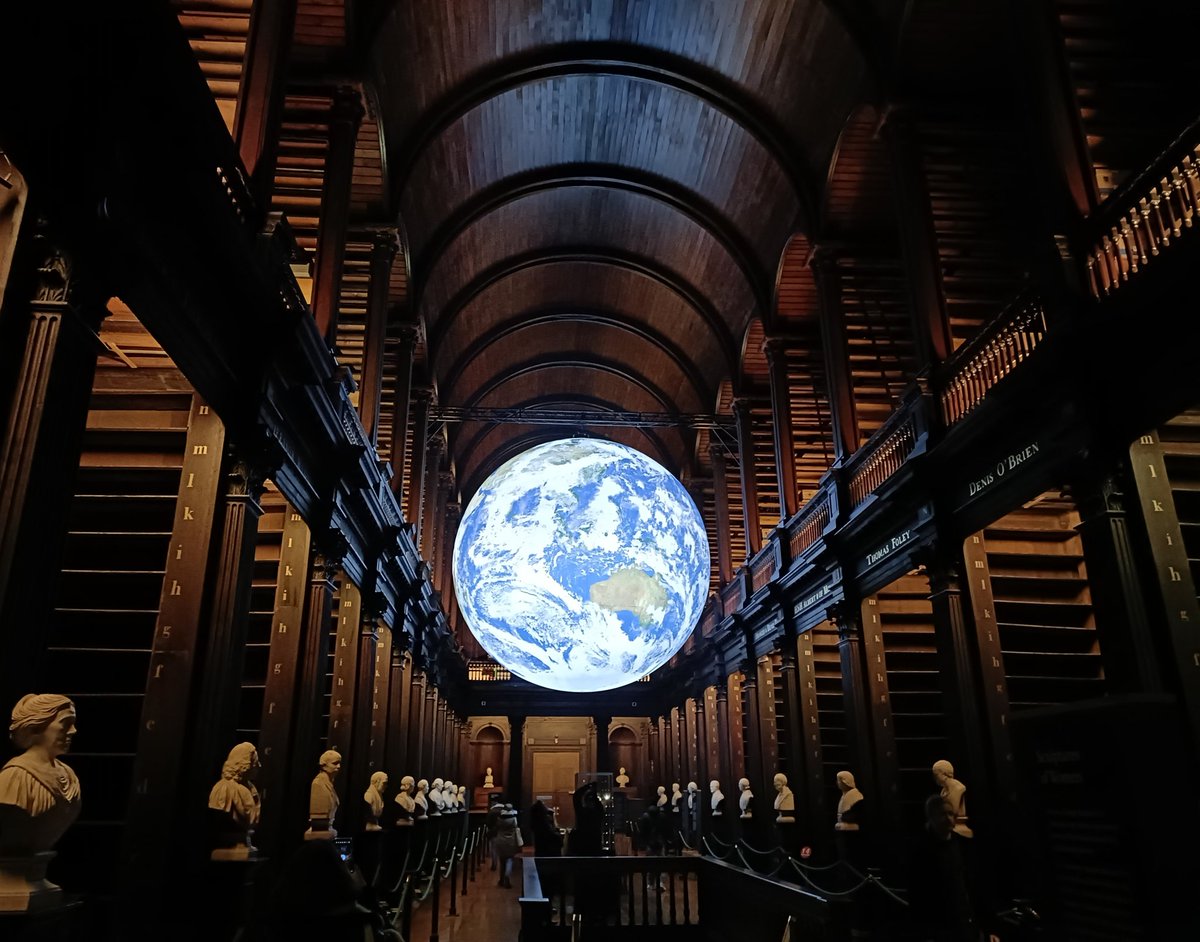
(449,796)
(622,778)
(488,781)
(745,798)
(847,810)
(421,798)
(785,801)
(436,802)
(717,802)
(955,794)
(692,791)
(462,797)
(676,797)
(373,797)
(234,794)
(323,797)
(661,800)
(39,795)
(404,798)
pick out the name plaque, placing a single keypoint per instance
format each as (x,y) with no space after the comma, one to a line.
(886,549)
(812,598)
(1006,464)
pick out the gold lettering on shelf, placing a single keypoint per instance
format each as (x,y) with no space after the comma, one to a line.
(1175,574)
(199,449)
(203,410)
(188,513)
(1157,505)
(287,567)
(282,628)
(176,588)
(191,481)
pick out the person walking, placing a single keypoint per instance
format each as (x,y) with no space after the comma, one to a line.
(508,843)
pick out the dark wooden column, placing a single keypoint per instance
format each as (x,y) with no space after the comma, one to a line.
(836,353)
(418,750)
(1131,661)
(314,664)
(261,93)
(422,398)
(43,437)
(380,704)
(654,751)
(396,761)
(961,695)
(742,413)
(670,752)
(808,798)
(440,553)
(516,762)
(702,772)
(370,391)
(752,745)
(433,738)
(450,531)
(214,712)
(721,504)
(436,449)
(781,415)
(153,844)
(405,335)
(282,693)
(345,116)
(847,619)
(358,765)
(724,758)
(813,789)
(931,327)
(603,761)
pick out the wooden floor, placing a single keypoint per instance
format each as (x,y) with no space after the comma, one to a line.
(488,913)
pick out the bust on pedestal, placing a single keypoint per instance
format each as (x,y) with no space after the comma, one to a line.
(437,803)
(39,800)
(234,806)
(660,801)
(323,798)
(421,798)
(785,801)
(848,811)
(676,798)
(717,802)
(373,798)
(955,793)
(404,798)
(745,798)
(622,778)
(488,782)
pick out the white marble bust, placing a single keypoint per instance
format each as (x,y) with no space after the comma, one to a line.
(323,797)
(850,797)
(692,791)
(235,794)
(404,798)
(421,798)
(373,797)
(488,781)
(437,803)
(785,801)
(661,800)
(676,797)
(462,797)
(622,778)
(745,798)
(39,795)
(955,794)
(717,802)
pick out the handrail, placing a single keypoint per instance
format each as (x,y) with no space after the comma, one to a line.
(806,527)
(883,454)
(978,365)
(1138,221)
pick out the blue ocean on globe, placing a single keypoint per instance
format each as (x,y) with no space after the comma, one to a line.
(581,565)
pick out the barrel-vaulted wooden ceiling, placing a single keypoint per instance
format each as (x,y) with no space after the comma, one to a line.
(596,194)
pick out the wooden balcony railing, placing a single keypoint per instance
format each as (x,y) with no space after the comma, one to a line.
(991,355)
(883,454)
(763,566)
(1141,219)
(806,527)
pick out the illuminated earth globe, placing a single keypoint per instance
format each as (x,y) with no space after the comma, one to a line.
(581,565)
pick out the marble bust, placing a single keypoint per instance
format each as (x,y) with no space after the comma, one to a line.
(661,800)
(488,781)
(437,804)
(676,797)
(39,800)
(461,798)
(373,798)
(450,796)
(421,798)
(785,801)
(745,798)
(717,802)
(954,792)
(847,811)
(692,791)
(323,797)
(622,778)
(234,794)
(404,798)
(39,795)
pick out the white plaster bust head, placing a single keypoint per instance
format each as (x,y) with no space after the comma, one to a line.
(676,796)
(323,798)
(955,794)
(488,781)
(743,784)
(39,795)
(622,778)
(718,799)
(373,797)
(785,801)
(662,795)
(404,797)
(462,796)
(850,797)
(436,800)
(331,763)
(235,793)
(745,798)
(692,788)
(421,799)
(450,795)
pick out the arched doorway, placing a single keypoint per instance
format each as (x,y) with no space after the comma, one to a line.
(626,752)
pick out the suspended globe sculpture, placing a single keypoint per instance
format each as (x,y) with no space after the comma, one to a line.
(581,565)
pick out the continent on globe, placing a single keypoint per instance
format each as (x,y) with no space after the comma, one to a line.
(630,590)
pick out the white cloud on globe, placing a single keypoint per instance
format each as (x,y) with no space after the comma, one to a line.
(581,565)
